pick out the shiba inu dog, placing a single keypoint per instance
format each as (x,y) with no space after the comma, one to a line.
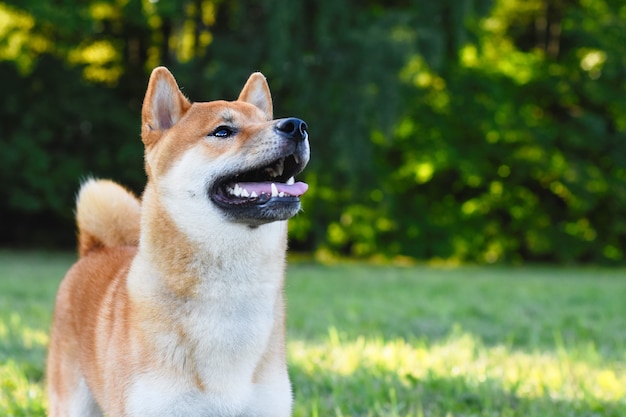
(175,306)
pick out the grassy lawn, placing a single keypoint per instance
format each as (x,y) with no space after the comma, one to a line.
(389,341)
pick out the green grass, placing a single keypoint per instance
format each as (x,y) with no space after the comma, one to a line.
(389,341)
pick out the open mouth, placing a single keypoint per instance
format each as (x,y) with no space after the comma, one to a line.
(263,194)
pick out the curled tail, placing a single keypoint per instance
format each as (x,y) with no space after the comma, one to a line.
(107,215)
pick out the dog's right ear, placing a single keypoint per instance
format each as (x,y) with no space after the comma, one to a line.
(163,105)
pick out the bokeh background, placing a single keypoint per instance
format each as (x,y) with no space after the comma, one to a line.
(455,130)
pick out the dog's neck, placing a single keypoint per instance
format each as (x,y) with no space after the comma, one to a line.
(187,266)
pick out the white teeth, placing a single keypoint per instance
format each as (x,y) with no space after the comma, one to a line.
(296,158)
(239,191)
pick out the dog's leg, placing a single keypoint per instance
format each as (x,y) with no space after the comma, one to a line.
(68,393)
(70,396)
(82,402)
(77,403)
(272,395)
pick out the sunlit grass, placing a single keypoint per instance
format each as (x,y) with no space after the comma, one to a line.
(28,284)
(20,395)
(395,342)
(472,376)
(469,341)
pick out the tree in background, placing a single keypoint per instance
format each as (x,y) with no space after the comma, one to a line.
(467,130)
(514,149)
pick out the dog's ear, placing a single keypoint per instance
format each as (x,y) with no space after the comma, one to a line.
(163,105)
(257,92)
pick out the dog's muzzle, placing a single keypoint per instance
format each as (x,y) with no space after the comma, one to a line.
(268,191)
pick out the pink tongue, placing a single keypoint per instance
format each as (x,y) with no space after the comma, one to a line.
(296,189)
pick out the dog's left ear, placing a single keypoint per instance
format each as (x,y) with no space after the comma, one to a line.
(257,92)
(164,104)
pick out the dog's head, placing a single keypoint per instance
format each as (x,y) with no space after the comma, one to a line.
(229,158)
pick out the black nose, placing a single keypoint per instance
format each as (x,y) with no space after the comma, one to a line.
(293,128)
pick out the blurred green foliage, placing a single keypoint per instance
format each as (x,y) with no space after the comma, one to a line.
(465,130)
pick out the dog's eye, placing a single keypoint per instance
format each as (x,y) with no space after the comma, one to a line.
(223,132)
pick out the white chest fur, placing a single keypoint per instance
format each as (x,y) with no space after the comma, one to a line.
(213,340)
(210,345)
